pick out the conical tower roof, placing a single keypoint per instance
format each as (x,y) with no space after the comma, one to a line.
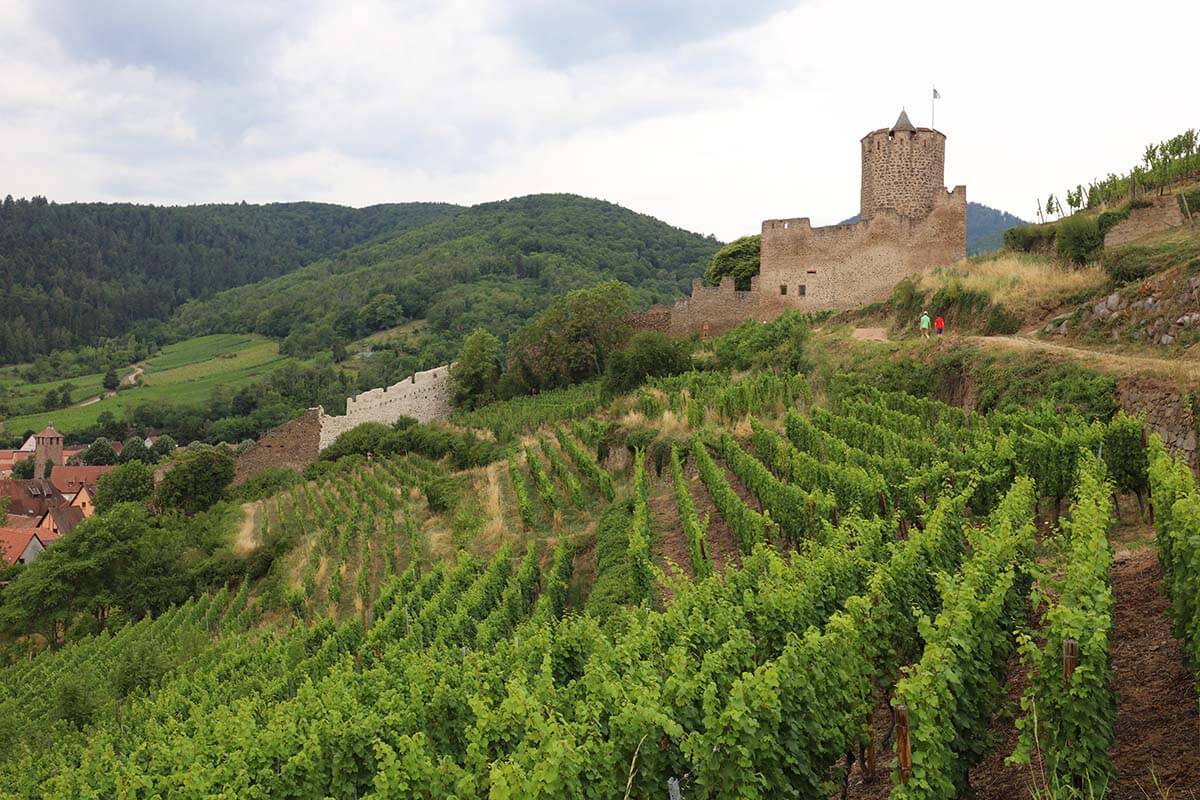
(903,123)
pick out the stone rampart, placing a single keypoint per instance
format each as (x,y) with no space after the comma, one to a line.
(293,444)
(424,397)
(1162,214)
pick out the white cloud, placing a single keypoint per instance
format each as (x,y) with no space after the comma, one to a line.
(712,124)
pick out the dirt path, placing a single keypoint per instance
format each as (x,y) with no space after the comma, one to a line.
(869,334)
(138,371)
(1158,714)
(1101,359)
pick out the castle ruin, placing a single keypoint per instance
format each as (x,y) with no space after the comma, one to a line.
(908,222)
(425,396)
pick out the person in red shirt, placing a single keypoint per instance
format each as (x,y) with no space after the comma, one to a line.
(939,324)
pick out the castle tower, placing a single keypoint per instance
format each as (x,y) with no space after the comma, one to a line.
(48,449)
(902,167)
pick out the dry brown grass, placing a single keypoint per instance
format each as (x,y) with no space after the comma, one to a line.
(1019,281)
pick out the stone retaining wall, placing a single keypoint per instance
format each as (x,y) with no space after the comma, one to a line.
(1168,412)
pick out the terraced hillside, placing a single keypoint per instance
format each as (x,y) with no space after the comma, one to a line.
(738,587)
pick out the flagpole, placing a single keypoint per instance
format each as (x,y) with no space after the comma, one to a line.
(932,110)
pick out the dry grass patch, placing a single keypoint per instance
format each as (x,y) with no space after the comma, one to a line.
(1019,281)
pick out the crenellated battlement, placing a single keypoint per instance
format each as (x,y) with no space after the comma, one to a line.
(424,396)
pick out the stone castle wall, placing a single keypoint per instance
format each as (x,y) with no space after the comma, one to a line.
(293,444)
(816,269)
(425,397)
(902,171)
(1162,213)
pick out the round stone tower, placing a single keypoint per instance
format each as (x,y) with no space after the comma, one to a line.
(902,166)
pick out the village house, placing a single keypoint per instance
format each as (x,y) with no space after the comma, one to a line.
(19,546)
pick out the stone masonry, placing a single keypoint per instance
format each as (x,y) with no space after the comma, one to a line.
(908,222)
(424,396)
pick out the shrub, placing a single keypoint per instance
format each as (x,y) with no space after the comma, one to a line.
(1029,238)
(132,482)
(780,344)
(441,493)
(1001,321)
(197,482)
(649,354)
(1080,240)
(271,480)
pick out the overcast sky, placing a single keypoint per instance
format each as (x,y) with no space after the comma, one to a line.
(709,115)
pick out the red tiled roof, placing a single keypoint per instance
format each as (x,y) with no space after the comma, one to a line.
(13,542)
(32,497)
(68,479)
(22,521)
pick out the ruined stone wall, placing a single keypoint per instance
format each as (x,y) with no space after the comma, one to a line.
(902,171)
(1162,213)
(425,397)
(815,269)
(293,444)
(1167,409)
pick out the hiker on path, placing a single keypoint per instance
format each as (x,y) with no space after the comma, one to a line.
(925,324)
(939,324)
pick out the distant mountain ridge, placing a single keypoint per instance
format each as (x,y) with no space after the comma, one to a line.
(985,227)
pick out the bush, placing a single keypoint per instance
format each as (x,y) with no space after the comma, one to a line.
(464,449)
(441,493)
(1029,238)
(648,355)
(1080,240)
(1001,322)
(270,481)
(781,344)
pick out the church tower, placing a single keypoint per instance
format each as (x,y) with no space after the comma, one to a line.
(902,167)
(48,449)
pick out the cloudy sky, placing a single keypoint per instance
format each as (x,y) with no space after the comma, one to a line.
(709,115)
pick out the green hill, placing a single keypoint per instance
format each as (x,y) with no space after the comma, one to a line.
(493,265)
(77,272)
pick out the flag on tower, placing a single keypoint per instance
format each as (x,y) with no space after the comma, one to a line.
(936,96)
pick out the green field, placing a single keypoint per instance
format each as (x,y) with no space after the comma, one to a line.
(185,372)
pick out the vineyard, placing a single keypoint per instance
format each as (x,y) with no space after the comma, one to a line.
(705,589)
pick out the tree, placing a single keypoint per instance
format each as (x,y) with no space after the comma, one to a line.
(476,373)
(571,340)
(135,450)
(197,481)
(163,446)
(79,573)
(739,259)
(132,482)
(111,381)
(23,470)
(99,453)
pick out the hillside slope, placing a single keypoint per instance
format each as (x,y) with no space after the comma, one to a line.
(493,265)
(77,271)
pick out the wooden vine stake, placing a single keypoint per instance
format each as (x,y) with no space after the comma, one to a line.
(903,745)
(1070,652)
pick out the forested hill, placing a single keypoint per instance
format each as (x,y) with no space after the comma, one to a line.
(493,265)
(73,272)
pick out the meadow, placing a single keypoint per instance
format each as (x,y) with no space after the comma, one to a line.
(184,372)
